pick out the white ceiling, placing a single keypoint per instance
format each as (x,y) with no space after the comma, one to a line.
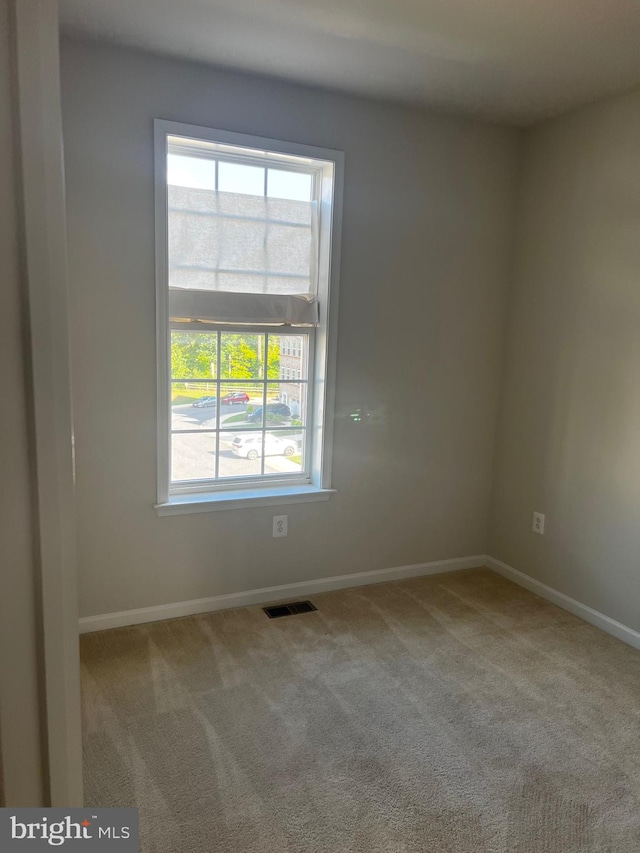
(510,60)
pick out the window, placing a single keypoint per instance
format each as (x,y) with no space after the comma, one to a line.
(247,256)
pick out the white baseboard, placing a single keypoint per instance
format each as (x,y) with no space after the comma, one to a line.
(272,593)
(277,593)
(594,617)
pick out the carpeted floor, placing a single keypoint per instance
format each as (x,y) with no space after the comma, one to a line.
(454,713)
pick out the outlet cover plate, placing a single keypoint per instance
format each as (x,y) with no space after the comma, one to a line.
(280,526)
(538,523)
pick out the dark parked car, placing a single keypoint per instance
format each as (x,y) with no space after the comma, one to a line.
(235,397)
(275,411)
(203,402)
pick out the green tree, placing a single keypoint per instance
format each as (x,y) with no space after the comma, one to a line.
(194,355)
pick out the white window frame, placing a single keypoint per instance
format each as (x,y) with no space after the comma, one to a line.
(323,338)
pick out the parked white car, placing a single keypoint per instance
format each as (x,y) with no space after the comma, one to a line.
(250,446)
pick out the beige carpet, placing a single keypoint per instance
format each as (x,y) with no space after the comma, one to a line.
(453,713)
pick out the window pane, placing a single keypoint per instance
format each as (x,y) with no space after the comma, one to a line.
(286,404)
(288,357)
(288,250)
(241,356)
(236,411)
(295,186)
(284,451)
(236,396)
(188,392)
(277,413)
(239,247)
(194,355)
(200,413)
(240,454)
(193,457)
(193,172)
(237,178)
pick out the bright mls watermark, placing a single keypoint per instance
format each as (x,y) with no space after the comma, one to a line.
(75,829)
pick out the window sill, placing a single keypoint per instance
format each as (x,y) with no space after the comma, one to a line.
(242,499)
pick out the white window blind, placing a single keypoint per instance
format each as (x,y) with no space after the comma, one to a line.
(242,238)
(246,308)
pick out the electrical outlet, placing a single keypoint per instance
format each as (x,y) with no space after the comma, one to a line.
(538,523)
(280,525)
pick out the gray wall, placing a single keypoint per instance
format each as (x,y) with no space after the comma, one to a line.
(20,723)
(569,438)
(427,228)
